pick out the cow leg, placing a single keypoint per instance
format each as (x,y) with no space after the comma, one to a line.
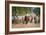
(26,22)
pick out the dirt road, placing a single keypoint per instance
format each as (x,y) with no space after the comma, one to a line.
(25,25)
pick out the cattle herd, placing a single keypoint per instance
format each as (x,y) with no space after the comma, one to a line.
(25,19)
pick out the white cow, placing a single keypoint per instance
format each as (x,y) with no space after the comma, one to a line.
(30,18)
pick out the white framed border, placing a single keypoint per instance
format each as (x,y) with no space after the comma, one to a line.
(22,29)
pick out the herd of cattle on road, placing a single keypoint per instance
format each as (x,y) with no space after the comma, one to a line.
(25,19)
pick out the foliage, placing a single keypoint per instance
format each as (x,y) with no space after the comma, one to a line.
(13,11)
(20,10)
(37,11)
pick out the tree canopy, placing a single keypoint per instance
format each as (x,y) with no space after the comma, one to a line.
(21,10)
(37,11)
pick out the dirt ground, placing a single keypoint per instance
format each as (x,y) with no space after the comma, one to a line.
(29,25)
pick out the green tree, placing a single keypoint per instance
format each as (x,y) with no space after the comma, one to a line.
(21,10)
(37,11)
(13,11)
